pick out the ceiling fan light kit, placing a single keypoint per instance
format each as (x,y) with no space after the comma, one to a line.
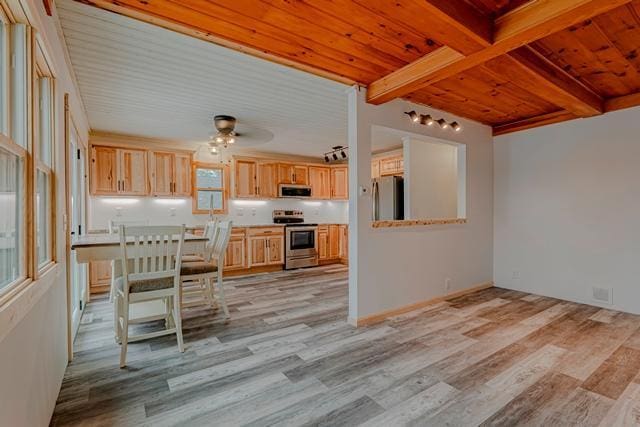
(427,120)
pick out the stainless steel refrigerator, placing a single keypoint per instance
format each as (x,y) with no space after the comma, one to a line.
(388,198)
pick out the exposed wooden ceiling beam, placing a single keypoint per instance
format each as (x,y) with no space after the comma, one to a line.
(532,21)
(533,122)
(546,80)
(622,102)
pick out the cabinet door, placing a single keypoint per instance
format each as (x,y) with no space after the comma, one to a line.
(268,180)
(257,251)
(162,174)
(391,166)
(245,179)
(340,183)
(99,277)
(323,244)
(320,182)
(276,249)
(375,169)
(104,177)
(344,242)
(300,175)
(334,241)
(132,172)
(285,173)
(181,175)
(234,258)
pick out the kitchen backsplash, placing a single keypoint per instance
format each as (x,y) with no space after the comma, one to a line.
(178,211)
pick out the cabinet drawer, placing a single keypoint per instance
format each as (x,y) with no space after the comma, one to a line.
(265,231)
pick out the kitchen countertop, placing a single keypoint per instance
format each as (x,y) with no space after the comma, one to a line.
(201,227)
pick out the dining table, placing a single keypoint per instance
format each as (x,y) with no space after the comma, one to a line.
(106,247)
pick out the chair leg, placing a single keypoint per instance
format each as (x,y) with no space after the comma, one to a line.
(177,317)
(116,319)
(222,300)
(124,336)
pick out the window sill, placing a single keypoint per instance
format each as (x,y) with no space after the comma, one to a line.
(417,222)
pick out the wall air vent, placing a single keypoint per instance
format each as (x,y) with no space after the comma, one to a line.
(604,295)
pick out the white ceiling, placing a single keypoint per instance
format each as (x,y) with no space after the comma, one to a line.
(144,80)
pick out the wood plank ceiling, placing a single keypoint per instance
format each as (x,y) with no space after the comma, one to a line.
(511,64)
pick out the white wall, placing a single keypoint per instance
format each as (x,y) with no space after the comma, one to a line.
(394,267)
(430,179)
(33,326)
(178,211)
(567,203)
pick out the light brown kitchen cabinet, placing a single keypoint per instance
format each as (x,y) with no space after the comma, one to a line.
(275,246)
(99,277)
(290,173)
(344,241)
(170,174)
(375,169)
(340,183)
(182,175)
(235,256)
(391,166)
(334,241)
(267,180)
(104,173)
(323,242)
(246,183)
(116,171)
(266,246)
(320,182)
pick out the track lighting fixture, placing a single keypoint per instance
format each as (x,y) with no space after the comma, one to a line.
(427,120)
(333,154)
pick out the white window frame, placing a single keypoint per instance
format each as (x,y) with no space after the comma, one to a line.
(224,189)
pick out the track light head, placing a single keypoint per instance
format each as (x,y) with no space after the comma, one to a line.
(335,156)
(443,124)
(415,118)
(456,126)
(326,158)
(343,154)
(426,119)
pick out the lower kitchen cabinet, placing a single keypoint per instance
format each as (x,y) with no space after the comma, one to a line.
(266,246)
(99,277)
(235,257)
(333,242)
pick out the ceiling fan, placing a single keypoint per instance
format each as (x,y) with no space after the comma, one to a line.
(227,131)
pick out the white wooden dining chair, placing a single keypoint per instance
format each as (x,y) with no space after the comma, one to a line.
(213,265)
(114,228)
(197,292)
(151,261)
(209,232)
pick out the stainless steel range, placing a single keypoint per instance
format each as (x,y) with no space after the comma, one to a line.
(301,249)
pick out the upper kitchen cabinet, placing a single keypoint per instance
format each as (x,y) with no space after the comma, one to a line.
(170,174)
(340,183)
(246,182)
(289,173)
(391,166)
(320,182)
(267,180)
(116,171)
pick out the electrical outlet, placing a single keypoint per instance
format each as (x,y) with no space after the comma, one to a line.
(240,211)
(118,211)
(172,211)
(253,211)
(447,284)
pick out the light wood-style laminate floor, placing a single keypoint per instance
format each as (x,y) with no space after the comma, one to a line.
(288,357)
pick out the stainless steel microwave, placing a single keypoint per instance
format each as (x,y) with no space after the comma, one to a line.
(294,191)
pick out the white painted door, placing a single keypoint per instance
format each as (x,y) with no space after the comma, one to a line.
(79,274)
